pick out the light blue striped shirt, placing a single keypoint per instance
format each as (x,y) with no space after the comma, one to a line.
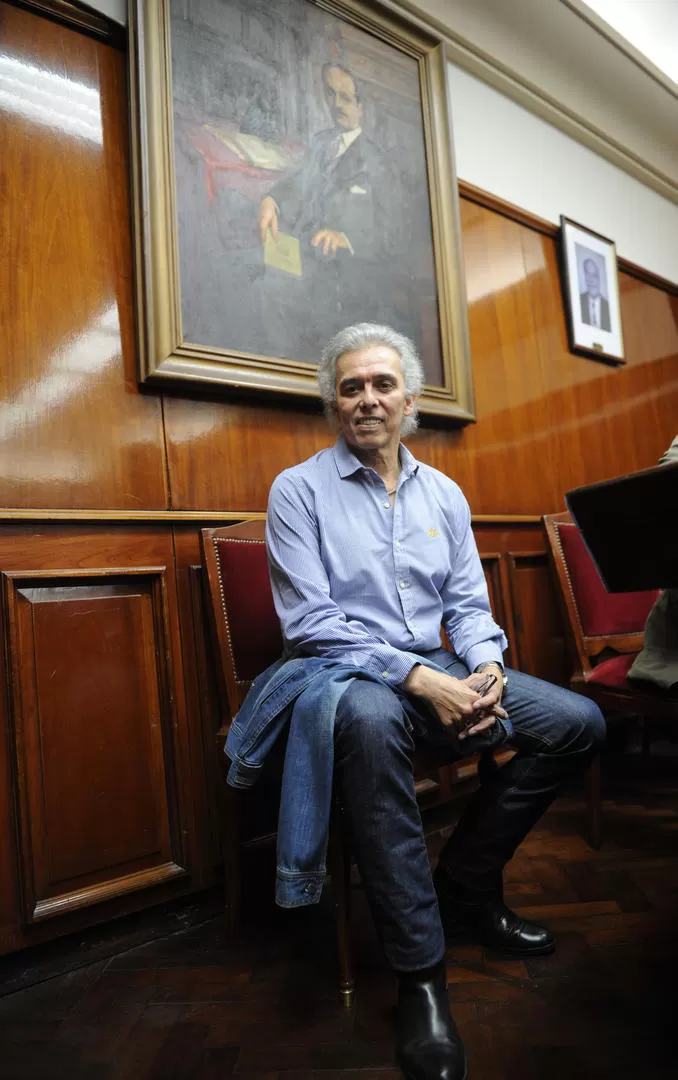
(366,584)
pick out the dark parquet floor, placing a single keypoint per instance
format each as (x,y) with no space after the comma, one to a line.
(196,1005)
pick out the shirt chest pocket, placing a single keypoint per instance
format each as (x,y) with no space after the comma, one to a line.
(427,551)
(358,558)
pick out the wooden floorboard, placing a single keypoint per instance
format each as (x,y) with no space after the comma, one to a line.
(194,1004)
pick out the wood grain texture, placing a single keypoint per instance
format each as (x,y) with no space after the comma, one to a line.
(74,431)
(525,217)
(196,1003)
(77,437)
(547,420)
(97,791)
(203,702)
(90,749)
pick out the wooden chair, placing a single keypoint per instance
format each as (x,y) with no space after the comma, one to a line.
(605,635)
(247,637)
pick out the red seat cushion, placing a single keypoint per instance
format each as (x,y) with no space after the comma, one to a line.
(253,625)
(601,613)
(612,673)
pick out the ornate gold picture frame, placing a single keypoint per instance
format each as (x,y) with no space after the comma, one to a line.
(293,173)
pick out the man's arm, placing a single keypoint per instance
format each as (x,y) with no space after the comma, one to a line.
(310,619)
(312,622)
(474,635)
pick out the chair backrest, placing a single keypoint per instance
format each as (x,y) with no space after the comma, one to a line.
(245,624)
(597,619)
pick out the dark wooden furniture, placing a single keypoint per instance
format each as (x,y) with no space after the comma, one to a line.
(248,639)
(605,635)
(98,477)
(247,636)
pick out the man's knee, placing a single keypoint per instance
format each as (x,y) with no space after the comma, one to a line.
(371,718)
(584,726)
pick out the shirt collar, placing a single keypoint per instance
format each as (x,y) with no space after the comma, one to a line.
(347,138)
(348,464)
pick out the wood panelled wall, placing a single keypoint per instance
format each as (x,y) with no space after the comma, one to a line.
(109,787)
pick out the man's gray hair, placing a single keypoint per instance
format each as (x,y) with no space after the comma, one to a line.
(358,337)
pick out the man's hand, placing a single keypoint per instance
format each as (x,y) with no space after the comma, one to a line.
(330,241)
(492,669)
(268,218)
(456,701)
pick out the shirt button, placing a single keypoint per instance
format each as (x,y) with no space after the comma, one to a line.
(404,584)
(385,675)
(311,888)
(387,506)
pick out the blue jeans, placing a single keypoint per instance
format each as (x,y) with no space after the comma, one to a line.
(555,733)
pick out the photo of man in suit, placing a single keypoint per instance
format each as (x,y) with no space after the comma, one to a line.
(595,309)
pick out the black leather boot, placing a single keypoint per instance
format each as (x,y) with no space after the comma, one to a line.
(429,1047)
(485,918)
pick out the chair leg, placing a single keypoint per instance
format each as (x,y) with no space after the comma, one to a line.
(341,885)
(232,861)
(594,801)
(646,736)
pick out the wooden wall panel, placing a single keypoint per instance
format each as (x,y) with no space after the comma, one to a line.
(203,700)
(74,430)
(98,803)
(538,637)
(547,420)
(112,685)
(102,768)
(523,597)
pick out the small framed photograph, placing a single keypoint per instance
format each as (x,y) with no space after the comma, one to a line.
(591,291)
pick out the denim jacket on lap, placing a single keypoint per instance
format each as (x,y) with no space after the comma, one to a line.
(304,692)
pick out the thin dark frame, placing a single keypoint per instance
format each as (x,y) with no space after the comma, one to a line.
(566,279)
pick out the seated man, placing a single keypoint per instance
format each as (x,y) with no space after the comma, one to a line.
(370,551)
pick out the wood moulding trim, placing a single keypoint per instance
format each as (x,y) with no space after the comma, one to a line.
(107,890)
(78,17)
(182,517)
(131,517)
(524,217)
(606,30)
(506,519)
(510,82)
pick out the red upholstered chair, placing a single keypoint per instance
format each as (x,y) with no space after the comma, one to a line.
(605,635)
(248,639)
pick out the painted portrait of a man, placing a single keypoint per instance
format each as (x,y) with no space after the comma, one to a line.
(301,182)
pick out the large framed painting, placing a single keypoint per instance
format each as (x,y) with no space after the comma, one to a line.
(293,174)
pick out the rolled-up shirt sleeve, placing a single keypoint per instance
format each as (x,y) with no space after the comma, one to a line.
(310,619)
(467,618)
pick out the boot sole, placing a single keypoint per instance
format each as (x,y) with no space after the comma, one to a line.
(410,1076)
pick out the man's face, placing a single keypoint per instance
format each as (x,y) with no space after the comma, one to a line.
(371,397)
(592,278)
(346,110)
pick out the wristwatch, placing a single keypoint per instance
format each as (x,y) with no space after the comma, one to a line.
(493,663)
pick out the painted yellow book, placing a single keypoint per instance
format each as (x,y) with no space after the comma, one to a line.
(283,253)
